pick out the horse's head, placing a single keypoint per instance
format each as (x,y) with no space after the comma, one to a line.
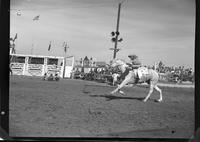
(119,63)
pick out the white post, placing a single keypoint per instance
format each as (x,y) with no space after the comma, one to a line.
(155,66)
(24,69)
(26,65)
(64,66)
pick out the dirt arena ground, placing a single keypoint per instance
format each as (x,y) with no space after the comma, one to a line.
(77,108)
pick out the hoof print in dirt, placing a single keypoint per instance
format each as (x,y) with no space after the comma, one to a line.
(86,92)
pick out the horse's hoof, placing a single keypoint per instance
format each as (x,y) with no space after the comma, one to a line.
(158,101)
(144,100)
(121,92)
(112,93)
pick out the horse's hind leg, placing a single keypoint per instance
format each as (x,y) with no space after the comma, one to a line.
(150,92)
(160,91)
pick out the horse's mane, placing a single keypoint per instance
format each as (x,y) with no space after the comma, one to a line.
(123,61)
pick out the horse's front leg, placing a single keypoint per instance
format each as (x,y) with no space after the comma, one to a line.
(116,90)
(113,82)
(120,86)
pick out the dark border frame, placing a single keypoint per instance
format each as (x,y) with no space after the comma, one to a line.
(197,66)
(4,62)
(4,87)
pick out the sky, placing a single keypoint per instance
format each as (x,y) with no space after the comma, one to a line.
(154,30)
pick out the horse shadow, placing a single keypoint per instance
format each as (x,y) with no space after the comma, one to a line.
(110,97)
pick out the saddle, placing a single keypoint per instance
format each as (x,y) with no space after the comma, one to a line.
(143,74)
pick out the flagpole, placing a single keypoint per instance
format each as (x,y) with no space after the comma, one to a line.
(65,56)
(32,44)
(49,48)
(64,62)
(14,48)
(64,48)
(33,41)
(34,19)
(64,65)
(32,47)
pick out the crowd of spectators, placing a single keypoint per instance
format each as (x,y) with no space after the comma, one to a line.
(177,74)
(171,74)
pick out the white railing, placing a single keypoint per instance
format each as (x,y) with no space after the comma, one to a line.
(40,69)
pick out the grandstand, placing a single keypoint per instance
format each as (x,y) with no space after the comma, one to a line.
(38,65)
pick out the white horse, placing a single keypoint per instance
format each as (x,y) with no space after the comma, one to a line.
(142,74)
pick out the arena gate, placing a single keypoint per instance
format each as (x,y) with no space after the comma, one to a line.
(36,65)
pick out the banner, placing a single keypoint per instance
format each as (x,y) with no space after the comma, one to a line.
(17,68)
(53,69)
(35,69)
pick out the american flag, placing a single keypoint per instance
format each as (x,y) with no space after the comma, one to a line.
(49,48)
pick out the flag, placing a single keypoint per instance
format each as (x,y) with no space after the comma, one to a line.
(15,37)
(49,48)
(65,47)
(36,17)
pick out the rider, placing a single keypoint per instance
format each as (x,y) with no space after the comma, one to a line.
(141,71)
(142,74)
(135,63)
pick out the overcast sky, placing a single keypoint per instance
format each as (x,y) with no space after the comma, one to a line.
(154,30)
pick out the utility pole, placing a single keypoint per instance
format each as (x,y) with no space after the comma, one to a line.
(65,56)
(117,31)
(115,35)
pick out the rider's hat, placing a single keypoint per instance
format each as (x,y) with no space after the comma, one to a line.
(132,56)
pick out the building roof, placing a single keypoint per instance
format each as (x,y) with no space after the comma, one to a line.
(40,56)
(86,58)
(100,63)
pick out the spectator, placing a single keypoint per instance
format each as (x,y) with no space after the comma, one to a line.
(45,76)
(50,78)
(56,77)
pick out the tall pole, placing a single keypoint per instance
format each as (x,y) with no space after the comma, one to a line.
(117,31)
(64,65)
(65,56)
